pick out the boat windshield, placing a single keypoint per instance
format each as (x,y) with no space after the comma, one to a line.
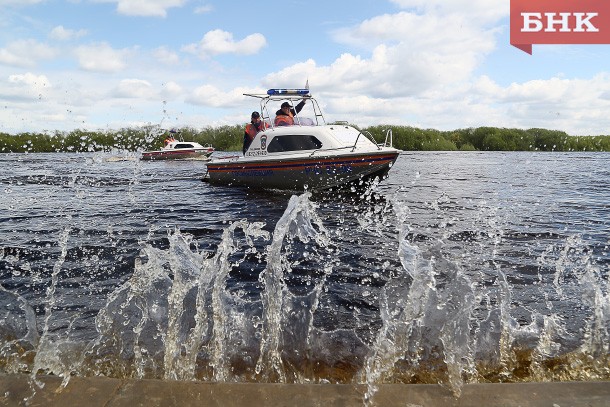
(304,121)
(293,143)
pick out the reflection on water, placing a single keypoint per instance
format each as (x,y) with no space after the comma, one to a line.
(461,267)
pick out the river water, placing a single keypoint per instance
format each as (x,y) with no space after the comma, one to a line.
(461,267)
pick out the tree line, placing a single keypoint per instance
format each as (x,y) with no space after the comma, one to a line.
(489,139)
(229,138)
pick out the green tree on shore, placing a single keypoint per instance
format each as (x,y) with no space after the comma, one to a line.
(229,138)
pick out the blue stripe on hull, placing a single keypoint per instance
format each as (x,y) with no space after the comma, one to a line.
(293,166)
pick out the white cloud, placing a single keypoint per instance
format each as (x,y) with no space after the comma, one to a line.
(134,89)
(171,90)
(25,53)
(417,53)
(63,34)
(100,57)
(206,8)
(476,11)
(555,91)
(30,80)
(209,95)
(433,33)
(145,8)
(166,56)
(26,86)
(58,117)
(577,106)
(20,2)
(221,42)
(428,46)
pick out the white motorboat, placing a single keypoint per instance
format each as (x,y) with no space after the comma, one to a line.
(176,149)
(309,154)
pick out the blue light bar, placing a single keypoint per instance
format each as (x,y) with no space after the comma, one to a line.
(272,92)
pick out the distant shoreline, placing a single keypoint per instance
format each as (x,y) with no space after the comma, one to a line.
(229,138)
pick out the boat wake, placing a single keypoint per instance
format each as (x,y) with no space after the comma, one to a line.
(117,158)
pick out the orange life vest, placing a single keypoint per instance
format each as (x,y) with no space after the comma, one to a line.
(252,131)
(284,120)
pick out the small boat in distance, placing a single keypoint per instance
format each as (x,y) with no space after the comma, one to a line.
(179,150)
(308,154)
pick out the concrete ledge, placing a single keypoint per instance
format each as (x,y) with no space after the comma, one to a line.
(106,392)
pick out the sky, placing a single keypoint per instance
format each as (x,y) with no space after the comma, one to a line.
(440,64)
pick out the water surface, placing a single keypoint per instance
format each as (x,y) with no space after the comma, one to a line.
(460,267)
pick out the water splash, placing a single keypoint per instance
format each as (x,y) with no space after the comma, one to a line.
(299,221)
(596,342)
(426,312)
(18,332)
(186,267)
(132,326)
(257,309)
(176,306)
(211,319)
(53,354)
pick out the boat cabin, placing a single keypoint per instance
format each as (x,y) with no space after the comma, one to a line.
(182,144)
(308,133)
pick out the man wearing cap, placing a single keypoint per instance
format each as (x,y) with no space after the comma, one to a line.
(285,116)
(252,129)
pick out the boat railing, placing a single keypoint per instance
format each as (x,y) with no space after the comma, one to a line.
(293,96)
(368,136)
(318,117)
(388,136)
(387,142)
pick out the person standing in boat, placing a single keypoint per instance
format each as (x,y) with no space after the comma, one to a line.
(285,116)
(169,139)
(252,129)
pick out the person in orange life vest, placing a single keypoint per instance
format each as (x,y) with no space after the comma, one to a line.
(252,129)
(168,140)
(285,116)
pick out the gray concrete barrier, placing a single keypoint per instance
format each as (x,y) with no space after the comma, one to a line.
(18,390)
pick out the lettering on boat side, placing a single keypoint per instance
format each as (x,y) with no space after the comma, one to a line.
(252,173)
(342,169)
(313,170)
(256,153)
(329,169)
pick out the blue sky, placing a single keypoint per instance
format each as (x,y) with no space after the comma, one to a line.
(443,64)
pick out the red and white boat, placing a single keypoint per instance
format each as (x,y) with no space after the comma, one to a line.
(179,150)
(309,155)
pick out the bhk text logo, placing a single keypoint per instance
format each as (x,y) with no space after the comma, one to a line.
(559,22)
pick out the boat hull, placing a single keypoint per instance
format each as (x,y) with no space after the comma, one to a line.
(175,154)
(312,173)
